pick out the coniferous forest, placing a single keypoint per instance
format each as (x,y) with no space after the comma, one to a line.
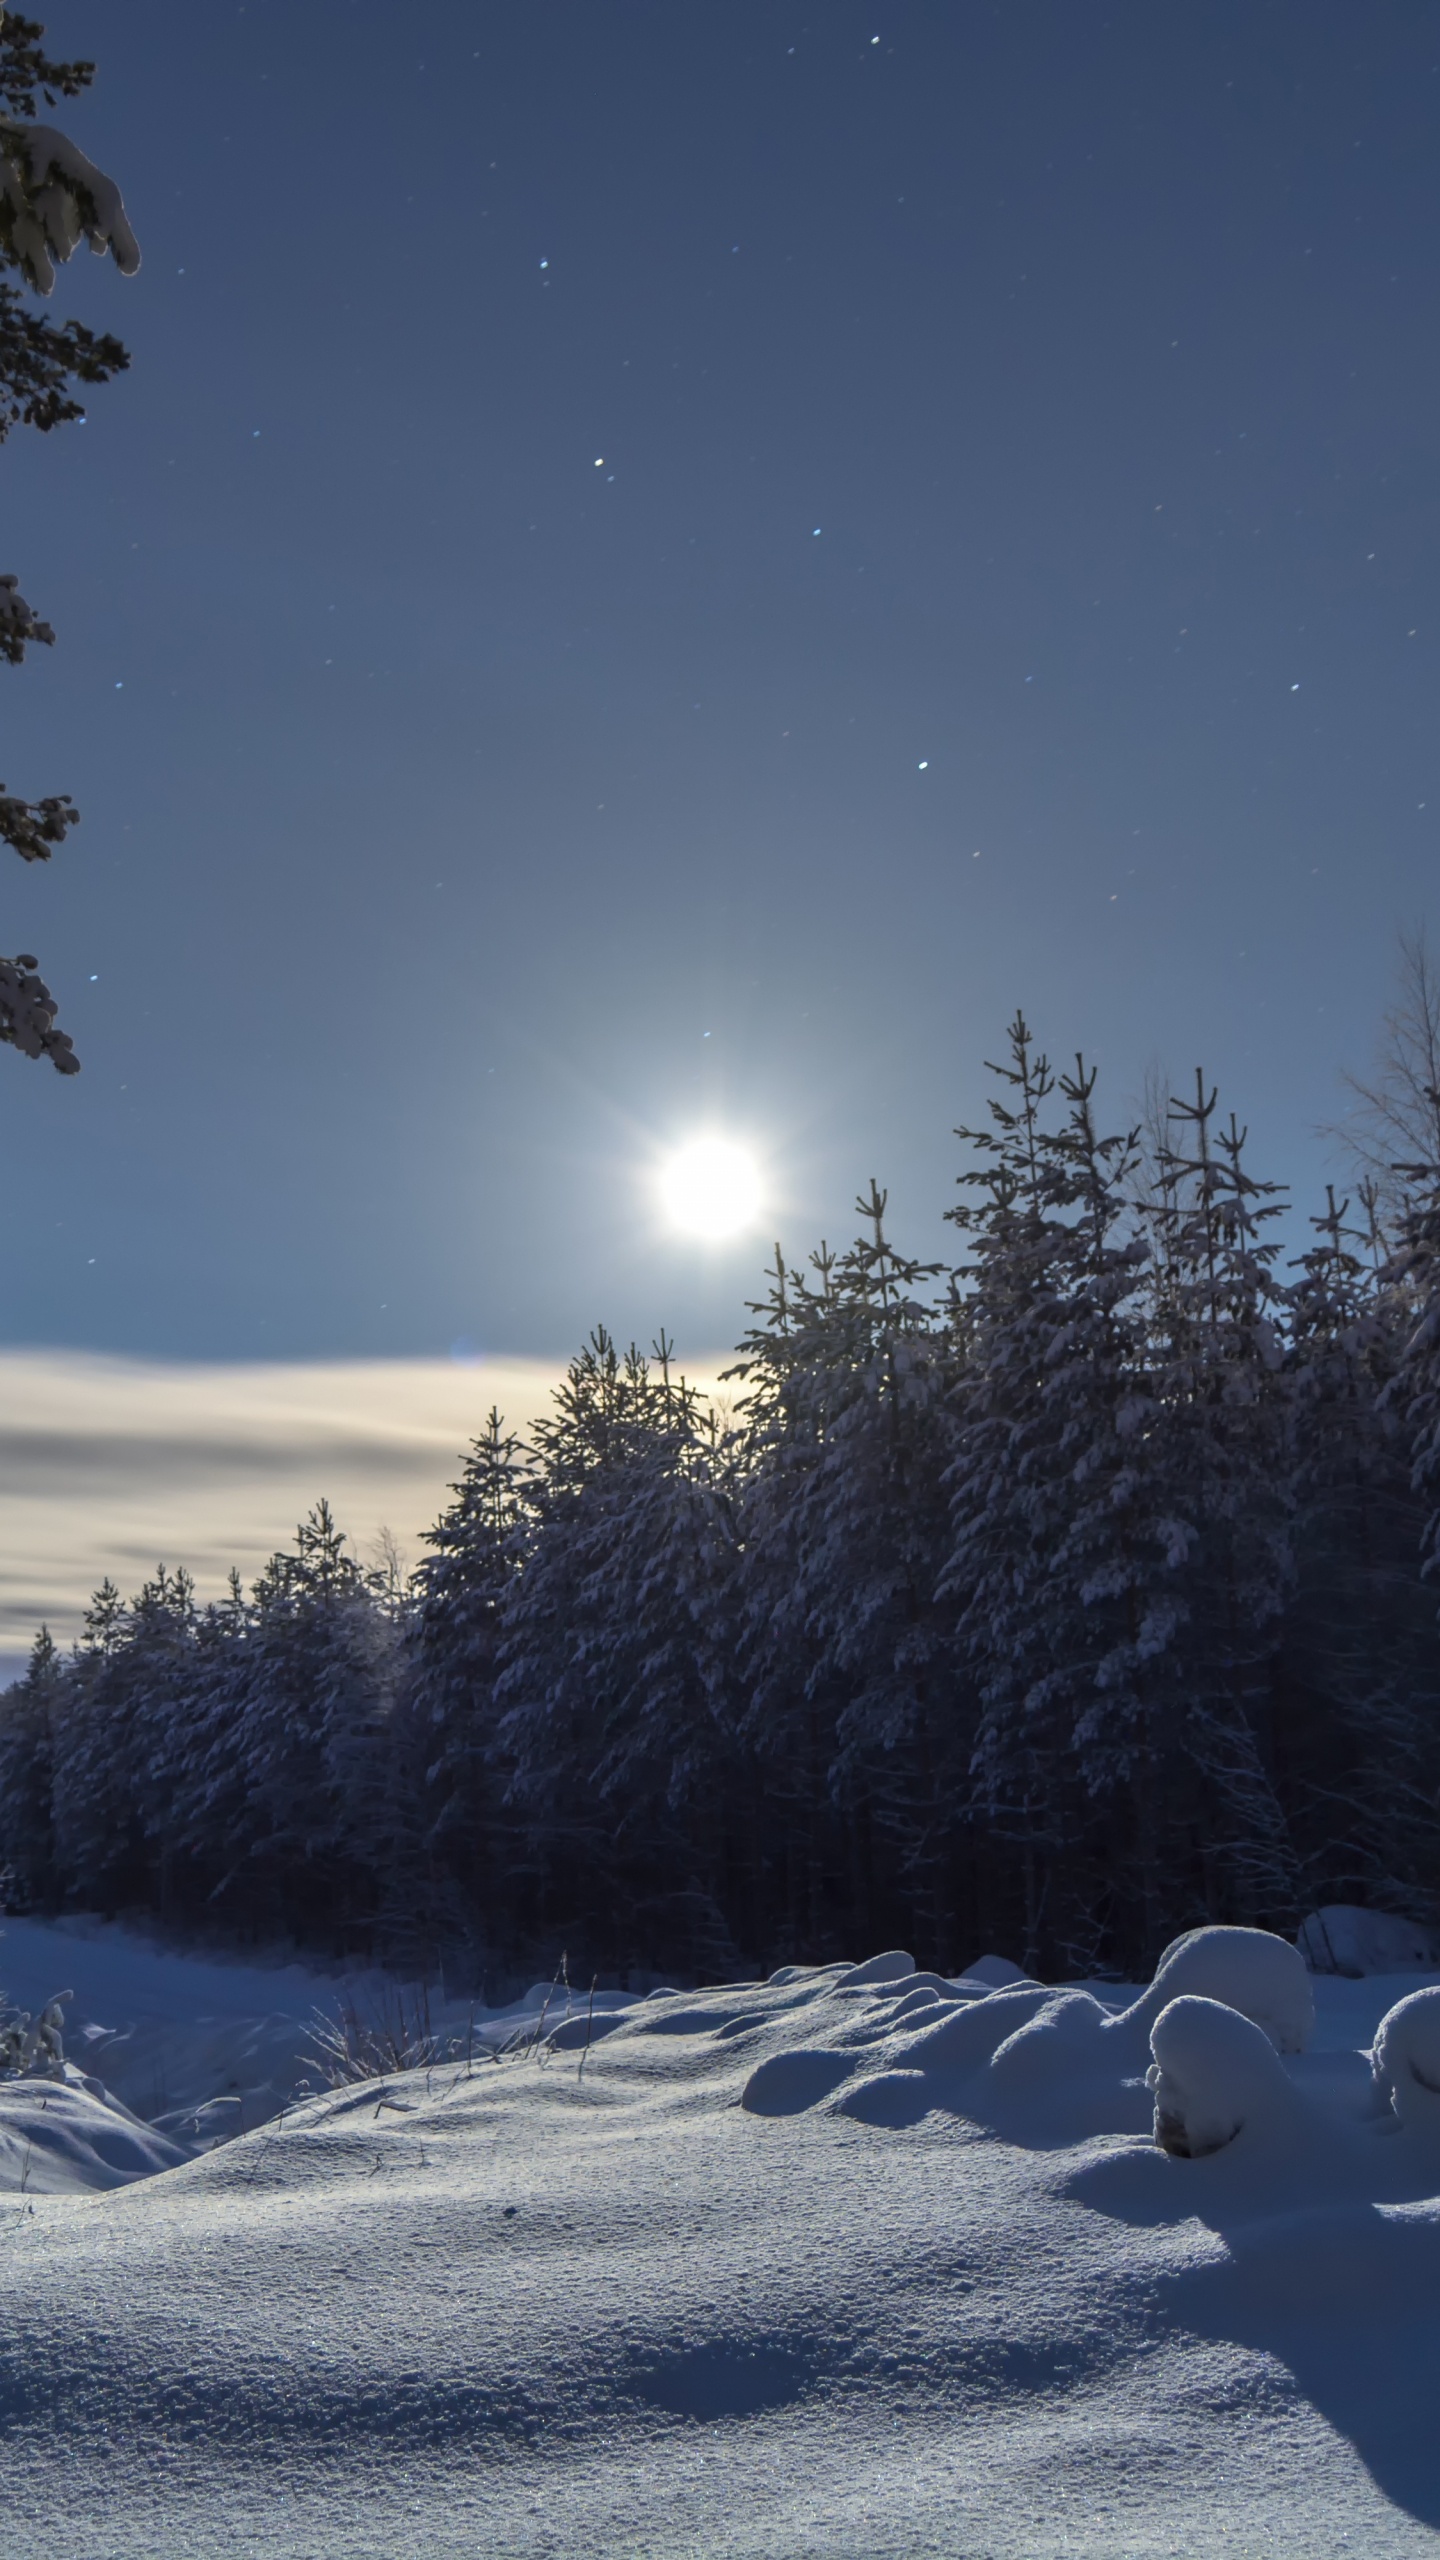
(1052,1600)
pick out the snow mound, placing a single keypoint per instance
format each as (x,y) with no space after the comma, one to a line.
(70,2136)
(894,1967)
(1406,2060)
(1342,1938)
(1261,1976)
(995,1973)
(784,2084)
(1063,2037)
(1041,2065)
(1215,2073)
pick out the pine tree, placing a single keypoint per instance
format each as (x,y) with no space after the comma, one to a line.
(309,1736)
(1217,1359)
(51,198)
(207,1837)
(612,1667)
(1005,1470)
(29,1874)
(789,1367)
(1060,1571)
(1357,1677)
(848,1653)
(129,1680)
(447,1728)
(1066,1535)
(1415,1275)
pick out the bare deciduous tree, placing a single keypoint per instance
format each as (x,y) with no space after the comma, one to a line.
(1392,1127)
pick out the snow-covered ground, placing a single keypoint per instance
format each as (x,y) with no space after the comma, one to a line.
(866,2265)
(206,2049)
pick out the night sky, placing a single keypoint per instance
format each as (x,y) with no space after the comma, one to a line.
(663,567)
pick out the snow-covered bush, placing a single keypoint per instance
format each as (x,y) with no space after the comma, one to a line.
(1406,2059)
(1215,2074)
(34,2047)
(1261,1976)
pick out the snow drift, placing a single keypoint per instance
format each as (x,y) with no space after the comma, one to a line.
(860,2260)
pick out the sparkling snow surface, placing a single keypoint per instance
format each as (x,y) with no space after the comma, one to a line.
(844,2265)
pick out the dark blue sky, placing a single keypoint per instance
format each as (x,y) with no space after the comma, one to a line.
(463,818)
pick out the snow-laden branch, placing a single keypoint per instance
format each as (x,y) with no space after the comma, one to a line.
(27,1015)
(52,198)
(34,827)
(19,623)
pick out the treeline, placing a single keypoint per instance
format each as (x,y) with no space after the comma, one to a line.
(1052,1602)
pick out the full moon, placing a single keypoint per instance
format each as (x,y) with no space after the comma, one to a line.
(711,1188)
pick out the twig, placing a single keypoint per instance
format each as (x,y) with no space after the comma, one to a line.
(589,2021)
(562,1974)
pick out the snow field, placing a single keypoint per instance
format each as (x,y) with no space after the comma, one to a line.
(719,2283)
(201,2049)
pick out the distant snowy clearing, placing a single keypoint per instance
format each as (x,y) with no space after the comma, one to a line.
(857,2261)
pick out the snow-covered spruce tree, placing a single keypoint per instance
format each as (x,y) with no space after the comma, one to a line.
(303,1750)
(852,1707)
(445,1730)
(874,1539)
(205,1811)
(1216,1365)
(1359,1678)
(1119,1553)
(1050,1567)
(92,1809)
(1119,1521)
(51,198)
(616,1722)
(28,1711)
(1403,1765)
(1019,1779)
(787,1718)
(1068,1551)
(128,1683)
(1415,1276)
(157,1671)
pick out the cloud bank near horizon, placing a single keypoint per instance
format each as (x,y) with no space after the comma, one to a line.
(111,1466)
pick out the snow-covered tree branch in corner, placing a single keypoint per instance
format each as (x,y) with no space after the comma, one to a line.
(27,1015)
(51,198)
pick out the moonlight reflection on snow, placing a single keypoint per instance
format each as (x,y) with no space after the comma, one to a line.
(861,2259)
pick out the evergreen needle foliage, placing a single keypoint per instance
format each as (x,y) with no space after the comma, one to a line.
(51,199)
